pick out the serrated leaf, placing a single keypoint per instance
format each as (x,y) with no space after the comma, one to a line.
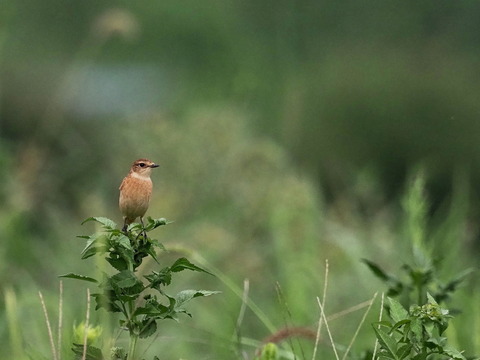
(452,284)
(383,323)
(92,352)
(156,279)
(397,311)
(453,353)
(154,223)
(430,299)
(186,295)
(104,301)
(404,351)
(95,244)
(377,271)
(157,244)
(124,279)
(416,328)
(106,222)
(421,356)
(149,327)
(400,324)
(79,277)
(183,264)
(153,309)
(123,241)
(118,263)
(388,343)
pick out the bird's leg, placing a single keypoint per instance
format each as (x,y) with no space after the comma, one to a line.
(125,225)
(143,228)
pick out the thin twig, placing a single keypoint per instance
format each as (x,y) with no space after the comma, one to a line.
(87,319)
(349,310)
(60,319)
(49,328)
(359,326)
(320,320)
(379,319)
(287,317)
(328,329)
(246,290)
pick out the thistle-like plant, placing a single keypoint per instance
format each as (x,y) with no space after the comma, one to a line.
(142,302)
(415,334)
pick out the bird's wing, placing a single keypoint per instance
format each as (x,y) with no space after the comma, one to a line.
(122,184)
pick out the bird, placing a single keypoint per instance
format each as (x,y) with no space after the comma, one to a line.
(135,192)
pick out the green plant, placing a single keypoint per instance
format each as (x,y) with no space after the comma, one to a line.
(268,352)
(423,271)
(416,333)
(139,302)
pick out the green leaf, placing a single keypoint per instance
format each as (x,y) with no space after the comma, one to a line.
(453,353)
(96,244)
(186,295)
(124,279)
(104,301)
(184,264)
(149,327)
(92,352)
(107,223)
(153,309)
(397,311)
(387,342)
(383,323)
(79,277)
(400,324)
(157,244)
(157,279)
(404,351)
(154,223)
(123,241)
(421,356)
(377,271)
(395,286)
(431,300)
(417,329)
(117,262)
(452,284)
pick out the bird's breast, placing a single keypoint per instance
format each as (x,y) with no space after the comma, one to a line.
(135,195)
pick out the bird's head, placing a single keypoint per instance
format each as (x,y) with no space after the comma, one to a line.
(143,167)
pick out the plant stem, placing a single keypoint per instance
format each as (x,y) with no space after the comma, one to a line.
(131,346)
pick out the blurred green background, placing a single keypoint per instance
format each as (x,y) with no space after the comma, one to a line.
(285,131)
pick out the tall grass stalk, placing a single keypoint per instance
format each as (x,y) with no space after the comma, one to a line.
(11,311)
(328,328)
(320,320)
(60,319)
(49,328)
(241,314)
(380,316)
(87,323)
(357,331)
(233,287)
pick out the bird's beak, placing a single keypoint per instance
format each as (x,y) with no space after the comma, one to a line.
(154,165)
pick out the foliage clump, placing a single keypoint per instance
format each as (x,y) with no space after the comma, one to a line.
(141,302)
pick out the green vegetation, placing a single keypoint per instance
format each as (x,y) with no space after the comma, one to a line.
(123,292)
(287,133)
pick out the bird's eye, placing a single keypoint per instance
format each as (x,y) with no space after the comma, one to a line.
(141,164)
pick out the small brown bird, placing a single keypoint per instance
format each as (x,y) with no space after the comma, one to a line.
(135,192)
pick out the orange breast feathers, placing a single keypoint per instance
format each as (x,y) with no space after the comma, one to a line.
(134,198)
